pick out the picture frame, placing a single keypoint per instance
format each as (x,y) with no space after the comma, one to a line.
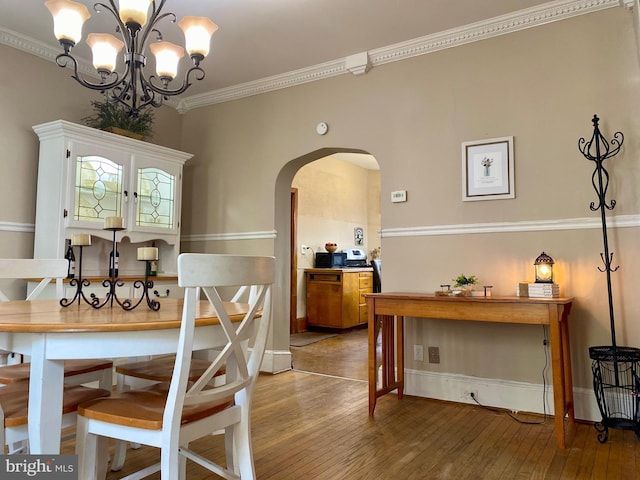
(488,169)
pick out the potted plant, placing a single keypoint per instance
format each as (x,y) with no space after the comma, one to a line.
(112,117)
(465,284)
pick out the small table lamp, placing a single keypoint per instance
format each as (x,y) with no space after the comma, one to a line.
(544,268)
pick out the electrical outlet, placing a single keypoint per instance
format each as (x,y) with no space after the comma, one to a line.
(303,249)
(418,353)
(434,354)
(470,395)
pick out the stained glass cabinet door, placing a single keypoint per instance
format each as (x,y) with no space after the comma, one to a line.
(144,191)
(156,197)
(100,188)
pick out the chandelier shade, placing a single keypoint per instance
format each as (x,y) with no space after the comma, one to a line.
(68,18)
(134,12)
(105,49)
(197,34)
(137,23)
(167,57)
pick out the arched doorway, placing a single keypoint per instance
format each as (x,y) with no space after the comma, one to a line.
(283,251)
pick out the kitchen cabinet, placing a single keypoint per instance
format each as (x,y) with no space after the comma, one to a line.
(335,296)
(86,175)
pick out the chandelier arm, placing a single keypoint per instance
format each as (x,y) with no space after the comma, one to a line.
(151,28)
(197,71)
(63,61)
(150,96)
(113,9)
(121,94)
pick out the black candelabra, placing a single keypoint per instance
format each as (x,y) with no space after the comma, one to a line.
(111,285)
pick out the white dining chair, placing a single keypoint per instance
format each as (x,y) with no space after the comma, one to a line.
(160,369)
(14,378)
(45,271)
(14,401)
(171,415)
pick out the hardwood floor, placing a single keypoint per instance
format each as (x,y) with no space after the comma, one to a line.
(316,426)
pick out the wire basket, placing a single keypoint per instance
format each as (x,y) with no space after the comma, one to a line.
(616,383)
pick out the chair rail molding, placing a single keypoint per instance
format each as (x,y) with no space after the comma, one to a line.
(501,25)
(17,227)
(620,221)
(218,237)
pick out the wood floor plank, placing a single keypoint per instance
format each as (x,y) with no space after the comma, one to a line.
(316,427)
(569,461)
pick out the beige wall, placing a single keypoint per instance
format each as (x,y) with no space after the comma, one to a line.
(540,85)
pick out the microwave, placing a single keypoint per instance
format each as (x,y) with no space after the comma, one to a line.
(331,260)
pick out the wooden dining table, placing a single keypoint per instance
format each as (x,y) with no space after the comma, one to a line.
(50,334)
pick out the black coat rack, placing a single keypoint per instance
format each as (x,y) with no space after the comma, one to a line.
(616,379)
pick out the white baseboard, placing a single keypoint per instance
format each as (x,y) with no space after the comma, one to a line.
(276,361)
(510,395)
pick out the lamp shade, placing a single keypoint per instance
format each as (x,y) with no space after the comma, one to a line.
(197,34)
(544,268)
(134,11)
(167,56)
(68,18)
(105,48)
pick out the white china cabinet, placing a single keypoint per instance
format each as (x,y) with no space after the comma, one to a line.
(86,175)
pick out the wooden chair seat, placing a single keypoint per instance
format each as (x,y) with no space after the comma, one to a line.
(19,373)
(144,408)
(171,415)
(15,398)
(160,369)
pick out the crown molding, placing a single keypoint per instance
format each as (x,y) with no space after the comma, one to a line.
(532,17)
(504,24)
(40,49)
(523,19)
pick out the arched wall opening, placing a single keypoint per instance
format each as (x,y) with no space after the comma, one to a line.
(282,249)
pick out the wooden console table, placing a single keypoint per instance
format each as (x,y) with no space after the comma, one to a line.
(386,317)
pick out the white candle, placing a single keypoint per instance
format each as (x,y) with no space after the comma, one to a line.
(81,239)
(113,222)
(148,253)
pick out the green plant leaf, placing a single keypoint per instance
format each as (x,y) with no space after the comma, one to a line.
(462,280)
(107,114)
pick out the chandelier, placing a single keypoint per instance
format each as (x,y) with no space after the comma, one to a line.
(136,21)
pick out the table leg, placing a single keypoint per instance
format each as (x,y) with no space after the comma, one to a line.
(392,356)
(372,336)
(561,367)
(566,358)
(45,400)
(400,355)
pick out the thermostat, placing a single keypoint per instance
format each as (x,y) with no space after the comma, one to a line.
(322,128)
(399,196)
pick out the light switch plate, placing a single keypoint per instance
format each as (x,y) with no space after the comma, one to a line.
(399,196)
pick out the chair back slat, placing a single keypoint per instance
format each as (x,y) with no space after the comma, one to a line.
(207,273)
(44,268)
